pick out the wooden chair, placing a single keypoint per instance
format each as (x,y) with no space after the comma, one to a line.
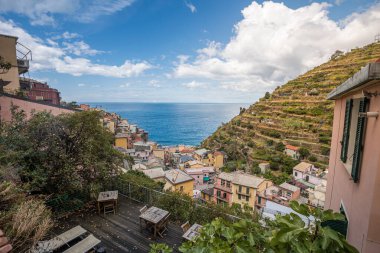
(163,226)
(142,210)
(109,207)
(185,226)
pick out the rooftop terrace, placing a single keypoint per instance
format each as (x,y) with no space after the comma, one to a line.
(120,232)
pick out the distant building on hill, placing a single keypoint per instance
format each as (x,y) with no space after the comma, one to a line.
(353,181)
(292,151)
(177,180)
(36,90)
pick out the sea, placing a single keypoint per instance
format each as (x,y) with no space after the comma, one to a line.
(172,124)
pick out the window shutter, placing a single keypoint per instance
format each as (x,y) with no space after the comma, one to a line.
(359,141)
(346,130)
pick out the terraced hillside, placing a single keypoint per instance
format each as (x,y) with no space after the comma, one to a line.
(296,113)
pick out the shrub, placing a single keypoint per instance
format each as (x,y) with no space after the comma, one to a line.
(313,159)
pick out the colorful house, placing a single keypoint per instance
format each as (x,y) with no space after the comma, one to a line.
(201,175)
(207,195)
(292,151)
(177,180)
(289,192)
(353,181)
(121,140)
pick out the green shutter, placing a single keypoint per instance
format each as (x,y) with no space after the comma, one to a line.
(359,141)
(337,225)
(346,130)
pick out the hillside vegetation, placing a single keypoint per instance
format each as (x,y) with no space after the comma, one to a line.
(296,113)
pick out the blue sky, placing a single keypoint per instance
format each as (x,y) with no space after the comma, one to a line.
(182,51)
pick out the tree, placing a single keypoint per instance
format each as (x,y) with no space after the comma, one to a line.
(304,152)
(69,153)
(267,95)
(280,147)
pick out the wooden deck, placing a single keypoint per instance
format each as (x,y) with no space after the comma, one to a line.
(120,232)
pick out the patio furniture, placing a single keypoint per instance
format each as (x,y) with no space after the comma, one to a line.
(192,232)
(185,226)
(162,227)
(106,197)
(60,240)
(154,216)
(84,246)
(142,210)
(109,208)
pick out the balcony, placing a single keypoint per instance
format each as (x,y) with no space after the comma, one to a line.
(222,198)
(243,193)
(23,54)
(23,66)
(223,188)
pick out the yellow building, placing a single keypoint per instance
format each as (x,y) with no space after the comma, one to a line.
(244,187)
(160,153)
(19,62)
(177,180)
(216,159)
(207,195)
(121,140)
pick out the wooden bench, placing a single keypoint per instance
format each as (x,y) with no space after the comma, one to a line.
(83,246)
(60,240)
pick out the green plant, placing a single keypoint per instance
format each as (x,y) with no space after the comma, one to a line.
(160,248)
(304,152)
(313,158)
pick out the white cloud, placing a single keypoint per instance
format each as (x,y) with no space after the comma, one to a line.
(79,48)
(124,85)
(154,83)
(338,2)
(274,43)
(194,84)
(191,6)
(44,12)
(81,84)
(51,57)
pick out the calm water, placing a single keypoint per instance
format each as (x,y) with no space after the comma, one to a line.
(172,123)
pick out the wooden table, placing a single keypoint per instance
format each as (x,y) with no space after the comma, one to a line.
(153,215)
(108,196)
(192,232)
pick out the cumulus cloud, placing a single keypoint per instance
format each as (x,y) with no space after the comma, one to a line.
(81,84)
(274,43)
(194,84)
(79,48)
(191,6)
(47,55)
(154,83)
(43,12)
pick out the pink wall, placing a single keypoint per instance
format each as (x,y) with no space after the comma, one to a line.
(222,189)
(360,200)
(27,106)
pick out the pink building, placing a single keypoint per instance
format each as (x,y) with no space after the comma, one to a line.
(223,188)
(201,175)
(353,184)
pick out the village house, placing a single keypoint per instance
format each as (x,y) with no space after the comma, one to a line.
(353,181)
(207,195)
(157,174)
(177,180)
(289,192)
(202,155)
(201,175)
(292,151)
(317,195)
(121,140)
(239,188)
(264,167)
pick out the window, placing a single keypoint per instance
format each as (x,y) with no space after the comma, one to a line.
(228,184)
(224,195)
(181,188)
(218,193)
(307,178)
(246,198)
(239,196)
(222,182)
(259,200)
(247,190)
(295,173)
(289,194)
(353,136)
(240,188)
(198,176)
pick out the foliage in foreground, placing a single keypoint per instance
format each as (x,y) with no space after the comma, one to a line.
(25,220)
(286,234)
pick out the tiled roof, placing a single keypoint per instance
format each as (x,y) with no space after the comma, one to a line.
(291,147)
(208,191)
(154,173)
(289,187)
(242,179)
(176,176)
(201,151)
(302,166)
(200,170)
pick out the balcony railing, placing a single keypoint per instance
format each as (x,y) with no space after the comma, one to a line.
(243,193)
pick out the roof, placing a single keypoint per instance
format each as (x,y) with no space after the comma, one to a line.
(302,166)
(121,135)
(185,158)
(242,179)
(289,187)
(200,170)
(154,173)
(219,153)
(193,162)
(208,191)
(291,147)
(201,151)
(366,75)
(176,176)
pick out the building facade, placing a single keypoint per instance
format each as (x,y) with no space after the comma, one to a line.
(353,183)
